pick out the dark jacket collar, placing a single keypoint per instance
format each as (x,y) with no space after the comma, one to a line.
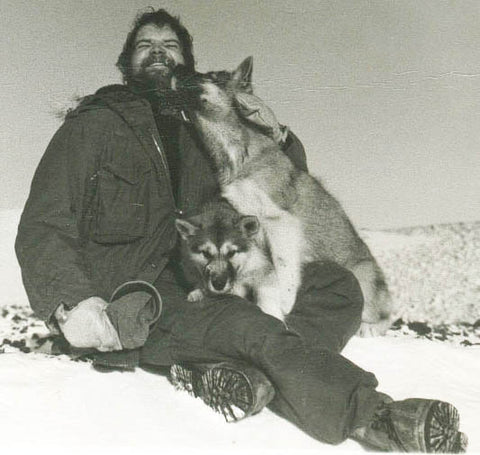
(119,98)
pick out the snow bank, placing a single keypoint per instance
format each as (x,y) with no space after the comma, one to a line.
(433,272)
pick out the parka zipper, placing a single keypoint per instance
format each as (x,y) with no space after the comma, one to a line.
(167,172)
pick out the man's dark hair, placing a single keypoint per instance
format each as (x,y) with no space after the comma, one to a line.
(160,18)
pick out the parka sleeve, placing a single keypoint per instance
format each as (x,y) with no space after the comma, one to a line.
(294,149)
(49,243)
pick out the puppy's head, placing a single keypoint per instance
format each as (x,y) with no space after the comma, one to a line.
(217,242)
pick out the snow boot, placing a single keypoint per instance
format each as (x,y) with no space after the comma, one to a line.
(413,425)
(234,389)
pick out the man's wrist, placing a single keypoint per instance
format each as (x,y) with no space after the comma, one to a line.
(60,314)
(57,318)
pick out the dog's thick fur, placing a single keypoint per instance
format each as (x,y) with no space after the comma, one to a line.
(301,221)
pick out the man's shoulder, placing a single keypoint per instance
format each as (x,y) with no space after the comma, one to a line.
(115,93)
(107,99)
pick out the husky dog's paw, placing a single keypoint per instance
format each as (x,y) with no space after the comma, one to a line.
(196,295)
(275,312)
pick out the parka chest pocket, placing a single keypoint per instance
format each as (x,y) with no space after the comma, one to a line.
(121,203)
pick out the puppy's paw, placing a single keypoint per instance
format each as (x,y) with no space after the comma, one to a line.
(196,296)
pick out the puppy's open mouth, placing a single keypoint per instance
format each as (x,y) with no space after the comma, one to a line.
(218,287)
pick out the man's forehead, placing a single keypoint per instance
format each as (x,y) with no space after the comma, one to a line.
(152,31)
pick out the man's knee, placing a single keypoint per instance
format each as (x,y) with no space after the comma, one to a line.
(329,306)
(331,284)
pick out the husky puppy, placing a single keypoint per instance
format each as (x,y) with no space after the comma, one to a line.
(221,252)
(300,220)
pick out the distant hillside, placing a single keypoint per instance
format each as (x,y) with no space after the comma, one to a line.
(433,271)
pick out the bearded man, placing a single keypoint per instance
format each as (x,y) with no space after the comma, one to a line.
(101,213)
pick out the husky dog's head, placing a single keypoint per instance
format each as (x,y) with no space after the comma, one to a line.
(212,94)
(218,242)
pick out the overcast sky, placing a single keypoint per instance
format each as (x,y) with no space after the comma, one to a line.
(383,94)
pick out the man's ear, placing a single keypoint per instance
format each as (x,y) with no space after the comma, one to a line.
(185,228)
(242,76)
(249,225)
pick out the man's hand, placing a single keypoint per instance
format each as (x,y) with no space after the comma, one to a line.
(253,109)
(88,326)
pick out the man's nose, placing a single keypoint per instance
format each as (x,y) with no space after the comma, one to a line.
(158,49)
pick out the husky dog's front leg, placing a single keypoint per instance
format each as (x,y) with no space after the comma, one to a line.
(269,296)
(285,238)
(240,290)
(273,297)
(287,269)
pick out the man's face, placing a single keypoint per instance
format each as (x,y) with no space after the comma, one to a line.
(157,50)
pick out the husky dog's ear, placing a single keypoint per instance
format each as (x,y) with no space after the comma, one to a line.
(249,225)
(185,228)
(242,76)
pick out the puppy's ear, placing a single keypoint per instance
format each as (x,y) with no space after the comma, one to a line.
(242,76)
(249,225)
(185,228)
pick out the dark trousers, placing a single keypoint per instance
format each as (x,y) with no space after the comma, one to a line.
(320,391)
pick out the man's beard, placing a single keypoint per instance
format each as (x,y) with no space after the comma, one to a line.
(156,86)
(152,82)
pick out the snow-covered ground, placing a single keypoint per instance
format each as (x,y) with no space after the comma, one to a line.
(57,405)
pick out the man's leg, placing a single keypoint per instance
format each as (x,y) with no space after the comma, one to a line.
(316,388)
(412,425)
(328,308)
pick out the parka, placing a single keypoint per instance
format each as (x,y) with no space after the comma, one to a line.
(101,210)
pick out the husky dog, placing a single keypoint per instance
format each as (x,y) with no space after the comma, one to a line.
(223,248)
(299,219)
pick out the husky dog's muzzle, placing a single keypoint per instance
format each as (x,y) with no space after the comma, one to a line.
(219,277)
(187,87)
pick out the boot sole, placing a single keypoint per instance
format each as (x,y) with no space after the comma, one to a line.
(441,430)
(234,390)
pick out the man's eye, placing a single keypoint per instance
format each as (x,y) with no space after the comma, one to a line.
(142,45)
(231,253)
(207,255)
(173,46)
